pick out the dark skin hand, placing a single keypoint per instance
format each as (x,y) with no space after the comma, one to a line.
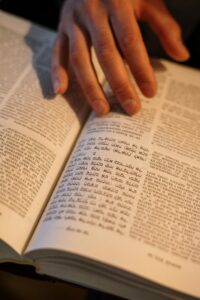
(102,24)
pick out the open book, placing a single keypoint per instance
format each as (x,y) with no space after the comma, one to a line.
(111,203)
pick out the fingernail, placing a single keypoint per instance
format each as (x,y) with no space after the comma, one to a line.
(183,51)
(131,106)
(56,85)
(148,89)
(100,108)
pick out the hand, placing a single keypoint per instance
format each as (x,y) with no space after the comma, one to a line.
(111,26)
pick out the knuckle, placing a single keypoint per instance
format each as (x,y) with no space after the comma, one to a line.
(129,40)
(104,50)
(89,7)
(115,4)
(169,23)
(141,75)
(121,88)
(75,57)
(89,88)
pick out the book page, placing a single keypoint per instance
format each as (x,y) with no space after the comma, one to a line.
(129,196)
(37,129)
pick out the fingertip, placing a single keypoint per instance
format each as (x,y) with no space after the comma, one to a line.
(131,106)
(182,54)
(176,48)
(60,81)
(56,85)
(148,89)
(101,107)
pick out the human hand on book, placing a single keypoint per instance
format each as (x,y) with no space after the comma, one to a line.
(111,27)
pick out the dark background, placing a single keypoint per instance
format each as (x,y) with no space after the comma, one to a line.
(42,12)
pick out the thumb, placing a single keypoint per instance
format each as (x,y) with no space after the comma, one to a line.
(59,63)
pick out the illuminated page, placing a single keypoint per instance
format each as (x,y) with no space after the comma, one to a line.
(129,195)
(37,129)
